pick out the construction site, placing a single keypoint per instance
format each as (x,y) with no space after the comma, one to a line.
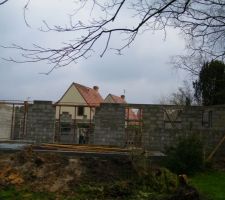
(63,147)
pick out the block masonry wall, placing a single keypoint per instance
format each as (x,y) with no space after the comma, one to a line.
(157,135)
(157,131)
(36,123)
(109,125)
(5,121)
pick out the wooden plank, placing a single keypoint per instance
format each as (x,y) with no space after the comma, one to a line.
(85,148)
(216,148)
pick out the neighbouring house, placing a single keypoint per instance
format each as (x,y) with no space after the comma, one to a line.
(75,111)
(115,99)
(79,101)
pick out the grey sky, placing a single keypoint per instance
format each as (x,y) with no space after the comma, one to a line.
(142,71)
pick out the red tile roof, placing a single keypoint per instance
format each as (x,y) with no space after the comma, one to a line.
(91,96)
(116,99)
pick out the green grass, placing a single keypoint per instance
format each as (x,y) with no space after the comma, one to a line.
(83,192)
(211,184)
(11,193)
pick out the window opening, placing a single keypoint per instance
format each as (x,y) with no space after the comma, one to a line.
(80,111)
(172,118)
(207,118)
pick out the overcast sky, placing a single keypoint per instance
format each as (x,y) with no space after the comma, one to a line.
(143,70)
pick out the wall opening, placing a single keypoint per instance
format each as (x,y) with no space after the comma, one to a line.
(172,118)
(207,118)
(133,126)
(80,111)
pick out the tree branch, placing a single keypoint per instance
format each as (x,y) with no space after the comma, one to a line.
(202,23)
(1,3)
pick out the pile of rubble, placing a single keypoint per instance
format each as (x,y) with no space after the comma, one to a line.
(43,172)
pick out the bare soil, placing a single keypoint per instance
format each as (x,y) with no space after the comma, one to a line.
(53,172)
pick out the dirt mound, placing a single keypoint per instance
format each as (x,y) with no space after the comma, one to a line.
(53,172)
(94,177)
(10,176)
(42,172)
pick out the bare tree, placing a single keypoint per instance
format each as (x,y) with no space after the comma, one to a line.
(2,2)
(183,96)
(202,23)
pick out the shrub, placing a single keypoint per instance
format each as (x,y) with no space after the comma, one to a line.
(186,157)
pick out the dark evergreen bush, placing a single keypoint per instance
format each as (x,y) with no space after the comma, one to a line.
(186,157)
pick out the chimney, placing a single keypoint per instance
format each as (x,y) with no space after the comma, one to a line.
(96,88)
(122,96)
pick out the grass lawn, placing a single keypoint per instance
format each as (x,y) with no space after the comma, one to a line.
(11,193)
(211,184)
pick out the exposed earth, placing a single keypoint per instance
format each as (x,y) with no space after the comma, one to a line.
(56,173)
(88,177)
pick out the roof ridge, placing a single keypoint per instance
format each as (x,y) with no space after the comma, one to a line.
(113,96)
(90,95)
(116,99)
(78,84)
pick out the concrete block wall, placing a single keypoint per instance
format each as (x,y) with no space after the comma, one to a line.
(158,133)
(40,125)
(109,125)
(157,137)
(218,118)
(5,122)
(192,118)
(152,126)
